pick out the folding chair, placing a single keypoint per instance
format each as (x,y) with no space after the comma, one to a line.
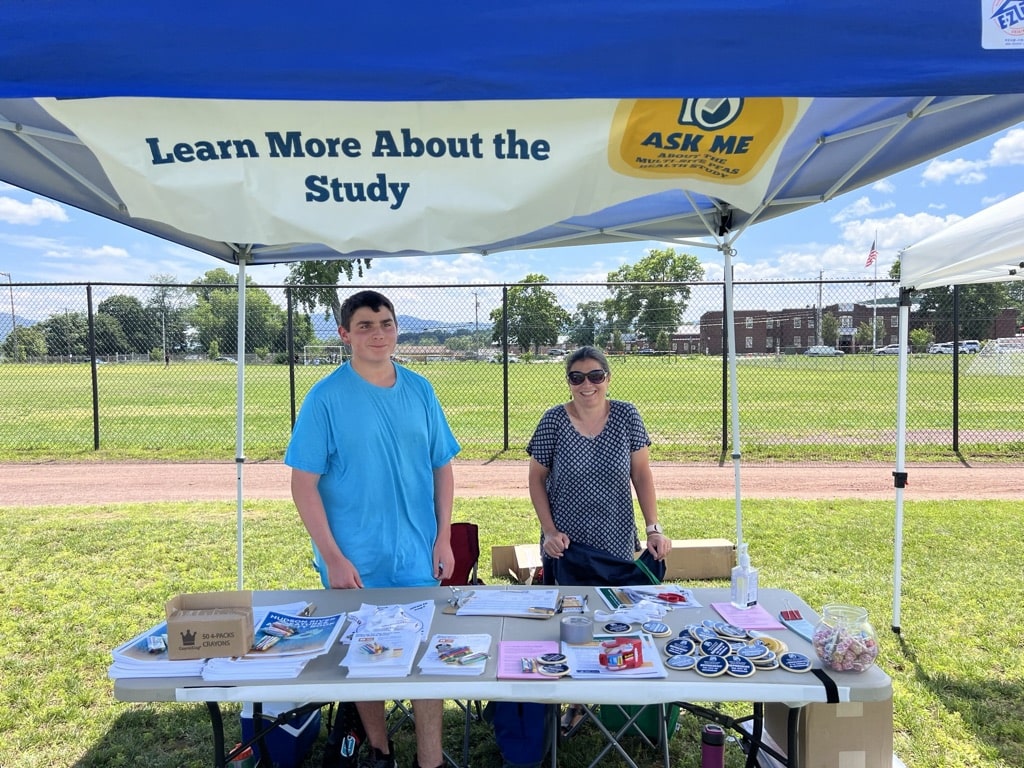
(465,540)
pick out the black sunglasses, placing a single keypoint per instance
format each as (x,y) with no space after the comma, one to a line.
(596,376)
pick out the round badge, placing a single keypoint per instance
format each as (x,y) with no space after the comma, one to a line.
(616,627)
(551,658)
(729,630)
(771,661)
(688,630)
(681,646)
(656,628)
(700,634)
(773,644)
(715,647)
(680,662)
(795,662)
(710,666)
(737,666)
(753,651)
(553,670)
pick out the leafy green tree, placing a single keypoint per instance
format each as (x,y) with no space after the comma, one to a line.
(655,297)
(534,316)
(919,339)
(110,338)
(66,334)
(315,283)
(215,316)
(136,323)
(31,342)
(588,322)
(866,336)
(829,329)
(169,304)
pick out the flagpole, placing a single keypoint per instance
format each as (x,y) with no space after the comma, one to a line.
(874,301)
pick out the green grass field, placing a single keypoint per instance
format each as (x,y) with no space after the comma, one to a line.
(77,581)
(792,408)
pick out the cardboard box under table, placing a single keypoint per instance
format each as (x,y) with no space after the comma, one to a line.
(852,734)
(208,625)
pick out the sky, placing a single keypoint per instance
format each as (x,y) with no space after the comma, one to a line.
(44,241)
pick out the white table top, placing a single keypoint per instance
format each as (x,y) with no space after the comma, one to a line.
(324,680)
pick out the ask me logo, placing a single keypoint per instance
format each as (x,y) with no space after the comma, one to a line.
(1002,24)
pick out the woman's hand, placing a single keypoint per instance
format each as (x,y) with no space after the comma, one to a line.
(659,545)
(555,544)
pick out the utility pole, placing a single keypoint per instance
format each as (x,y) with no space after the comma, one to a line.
(476,296)
(14,323)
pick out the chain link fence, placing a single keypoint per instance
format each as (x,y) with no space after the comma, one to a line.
(150,371)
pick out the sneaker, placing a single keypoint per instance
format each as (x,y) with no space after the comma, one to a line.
(377,759)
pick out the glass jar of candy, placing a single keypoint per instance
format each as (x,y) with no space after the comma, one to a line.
(844,639)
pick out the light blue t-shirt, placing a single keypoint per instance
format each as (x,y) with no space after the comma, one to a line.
(375,449)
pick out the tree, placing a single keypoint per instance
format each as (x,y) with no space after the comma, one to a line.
(829,329)
(534,316)
(868,337)
(315,283)
(136,323)
(110,338)
(215,316)
(587,323)
(169,304)
(655,297)
(66,334)
(31,343)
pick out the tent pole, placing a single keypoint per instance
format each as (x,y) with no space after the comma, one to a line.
(900,474)
(734,397)
(243,256)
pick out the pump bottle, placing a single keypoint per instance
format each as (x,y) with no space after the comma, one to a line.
(744,581)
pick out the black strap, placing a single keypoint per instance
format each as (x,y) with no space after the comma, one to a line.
(831,689)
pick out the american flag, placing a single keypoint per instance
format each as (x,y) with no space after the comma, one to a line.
(872,255)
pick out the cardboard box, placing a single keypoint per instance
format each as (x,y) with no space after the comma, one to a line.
(520,561)
(849,735)
(209,624)
(699,559)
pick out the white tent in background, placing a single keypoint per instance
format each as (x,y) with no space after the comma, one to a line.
(987,247)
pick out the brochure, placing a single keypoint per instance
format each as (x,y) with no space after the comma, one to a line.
(585,660)
(464,655)
(415,617)
(521,603)
(382,654)
(754,617)
(281,634)
(516,658)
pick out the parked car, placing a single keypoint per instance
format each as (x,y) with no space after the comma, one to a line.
(941,348)
(888,349)
(970,346)
(821,350)
(556,352)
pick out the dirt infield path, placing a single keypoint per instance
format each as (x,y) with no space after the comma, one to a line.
(102,483)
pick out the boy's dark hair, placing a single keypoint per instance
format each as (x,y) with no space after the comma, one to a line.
(588,353)
(370,299)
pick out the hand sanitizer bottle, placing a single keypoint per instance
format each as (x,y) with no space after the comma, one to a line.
(744,581)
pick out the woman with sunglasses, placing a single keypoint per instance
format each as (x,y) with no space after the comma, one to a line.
(585,456)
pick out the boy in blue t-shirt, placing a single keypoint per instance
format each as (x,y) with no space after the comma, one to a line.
(372,481)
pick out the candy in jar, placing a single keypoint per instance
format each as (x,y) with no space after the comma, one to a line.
(844,639)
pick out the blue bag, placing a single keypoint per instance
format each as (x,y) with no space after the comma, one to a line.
(523,730)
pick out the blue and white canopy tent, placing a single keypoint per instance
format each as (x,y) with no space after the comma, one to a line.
(259,133)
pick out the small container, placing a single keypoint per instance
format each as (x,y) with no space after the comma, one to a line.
(844,639)
(744,582)
(712,746)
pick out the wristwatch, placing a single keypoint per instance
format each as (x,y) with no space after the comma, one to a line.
(655,528)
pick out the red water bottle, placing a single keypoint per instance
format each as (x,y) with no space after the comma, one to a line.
(712,746)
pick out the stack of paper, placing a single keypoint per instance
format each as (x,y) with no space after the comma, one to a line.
(415,617)
(584,662)
(513,653)
(456,655)
(381,654)
(528,603)
(282,646)
(145,655)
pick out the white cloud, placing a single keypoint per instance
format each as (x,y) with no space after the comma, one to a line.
(1008,149)
(962,171)
(884,186)
(35,212)
(862,206)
